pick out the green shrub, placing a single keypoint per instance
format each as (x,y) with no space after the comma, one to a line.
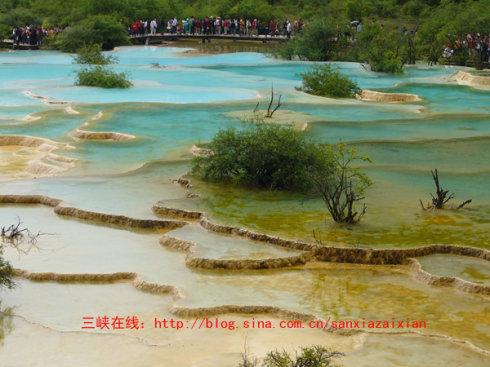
(104,30)
(342,187)
(382,49)
(92,54)
(6,272)
(448,22)
(277,157)
(414,8)
(387,62)
(327,81)
(317,42)
(316,356)
(263,155)
(355,9)
(19,16)
(5,31)
(102,77)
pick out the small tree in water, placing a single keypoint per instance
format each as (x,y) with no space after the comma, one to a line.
(341,185)
(102,77)
(15,235)
(92,54)
(327,81)
(279,158)
(263,155)
(97,74)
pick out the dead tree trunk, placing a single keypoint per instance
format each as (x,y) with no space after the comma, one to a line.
(16,235)
(442,197)
(270,110)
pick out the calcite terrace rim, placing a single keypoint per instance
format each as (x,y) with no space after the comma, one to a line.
(189,312)
(100,278)
(449,281)
(312,252)
(191,261)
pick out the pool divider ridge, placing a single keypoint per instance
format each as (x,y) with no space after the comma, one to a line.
(311,252)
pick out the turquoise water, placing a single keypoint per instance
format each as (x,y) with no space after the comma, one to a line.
(180,100)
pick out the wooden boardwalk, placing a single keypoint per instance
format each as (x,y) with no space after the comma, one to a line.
(22,46)
(149,38)
(161,37)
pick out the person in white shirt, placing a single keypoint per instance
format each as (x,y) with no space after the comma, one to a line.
(153,26)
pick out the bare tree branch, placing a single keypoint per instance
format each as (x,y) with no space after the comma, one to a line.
(442,197)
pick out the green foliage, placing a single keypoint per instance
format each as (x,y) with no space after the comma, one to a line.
(315,356)
(382,48)
(6,272)
(342,184)
(19,16)
(277,157)
(5,31)
(450,21)
(105,22)
(98,75)
(252,8)
(317,42)
(355,9)
(6,324)
(92,54)
(262,9)
(104,30)
(326,81)
(102,77)
(414,8)
(264,155)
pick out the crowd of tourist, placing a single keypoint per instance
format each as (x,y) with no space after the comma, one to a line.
(31,35)
(472,44)
(216,26)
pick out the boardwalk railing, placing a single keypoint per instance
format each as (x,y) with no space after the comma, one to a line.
(148,38)
(21,46)
(207,37)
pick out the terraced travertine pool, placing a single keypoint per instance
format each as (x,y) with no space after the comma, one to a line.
(96,260)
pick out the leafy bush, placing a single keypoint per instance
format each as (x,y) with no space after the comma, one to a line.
(386,62)
(252,9)
(328,82)
(99,29)
(19,16)
(6,272)
(382,49)
(317,42)
(277,157)
(414,8)
(447,23)
(355,9)
(99,76)
(5,31)
(264,155)
(316,356)
(343,186)
(92,54)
